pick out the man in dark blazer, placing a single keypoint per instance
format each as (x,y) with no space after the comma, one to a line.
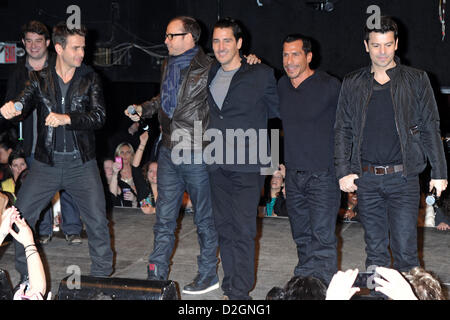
(242,97)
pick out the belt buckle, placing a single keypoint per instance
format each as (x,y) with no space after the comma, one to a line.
(384,168)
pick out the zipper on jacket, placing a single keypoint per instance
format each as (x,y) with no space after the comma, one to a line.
(363,123)
(398,132)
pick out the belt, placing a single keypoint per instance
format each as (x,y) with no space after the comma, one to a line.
(382,170)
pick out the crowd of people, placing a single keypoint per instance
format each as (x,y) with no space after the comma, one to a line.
(332,143)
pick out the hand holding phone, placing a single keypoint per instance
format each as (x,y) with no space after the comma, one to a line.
(119,161)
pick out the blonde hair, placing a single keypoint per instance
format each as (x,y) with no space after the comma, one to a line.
(424,284)
(117,152)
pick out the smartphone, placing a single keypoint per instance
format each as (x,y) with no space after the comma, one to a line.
(119,160)
(365,280)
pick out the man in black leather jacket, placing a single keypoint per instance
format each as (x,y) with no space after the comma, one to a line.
(36,39)
(68,97)
(387,126)
(182,102)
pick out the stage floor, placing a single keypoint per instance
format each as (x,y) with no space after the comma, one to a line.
(132,241)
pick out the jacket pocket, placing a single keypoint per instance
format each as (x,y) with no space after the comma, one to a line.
(417,153)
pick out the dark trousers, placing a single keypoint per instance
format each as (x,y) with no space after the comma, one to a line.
(388,208)
(70,217)
(70,214)
(82,182)
(173,181)
(313,200)
(235,202)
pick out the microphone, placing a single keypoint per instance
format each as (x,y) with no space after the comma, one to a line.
(143,124)
(431,198)
(18,106)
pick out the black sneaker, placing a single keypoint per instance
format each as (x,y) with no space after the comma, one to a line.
(74,239)
(201,286)
(45,239)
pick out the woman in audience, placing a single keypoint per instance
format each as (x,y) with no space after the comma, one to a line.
(122,184)
(148,205)
(17,165)
(35,288)
(275,200)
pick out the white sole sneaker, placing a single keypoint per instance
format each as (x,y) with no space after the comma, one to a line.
(211,288)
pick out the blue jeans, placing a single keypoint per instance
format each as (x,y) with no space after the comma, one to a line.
(388,208)
(173,180)
(313,200)
(70,214)
(82,182)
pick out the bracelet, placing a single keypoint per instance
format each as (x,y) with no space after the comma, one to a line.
(30,245)
(31,254)
(141,149)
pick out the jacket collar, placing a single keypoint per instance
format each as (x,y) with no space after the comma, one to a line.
(216,66)
(390,72)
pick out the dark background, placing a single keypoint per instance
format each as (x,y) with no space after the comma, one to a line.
(338,35)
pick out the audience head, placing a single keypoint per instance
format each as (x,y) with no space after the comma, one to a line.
(299,288)
(150,171)
(5,150)
(126,152)
(17,163)
(108,167)
(424,284)
(277,181)
(6,200)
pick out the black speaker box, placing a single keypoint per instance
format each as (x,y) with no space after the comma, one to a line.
(97,288)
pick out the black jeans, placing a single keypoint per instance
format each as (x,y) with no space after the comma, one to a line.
(313,200)
(82,182)
(388,208)
(70,214)
(235,198)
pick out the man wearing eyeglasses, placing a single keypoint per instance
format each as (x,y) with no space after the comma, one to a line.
(181,102)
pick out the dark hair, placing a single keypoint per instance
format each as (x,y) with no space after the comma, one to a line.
(11,199)
(16,154)
(190,25)
(35,27)
(145,169)
(387,24)
(230,23)
(6,144)
(61,32)
(307,43)
(299,288)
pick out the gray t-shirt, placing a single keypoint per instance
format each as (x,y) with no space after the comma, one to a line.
(220,84)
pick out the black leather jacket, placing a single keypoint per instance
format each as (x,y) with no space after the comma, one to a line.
(84,105)
(191,100)
(416,119)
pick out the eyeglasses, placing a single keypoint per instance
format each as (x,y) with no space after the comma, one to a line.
(171,35)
